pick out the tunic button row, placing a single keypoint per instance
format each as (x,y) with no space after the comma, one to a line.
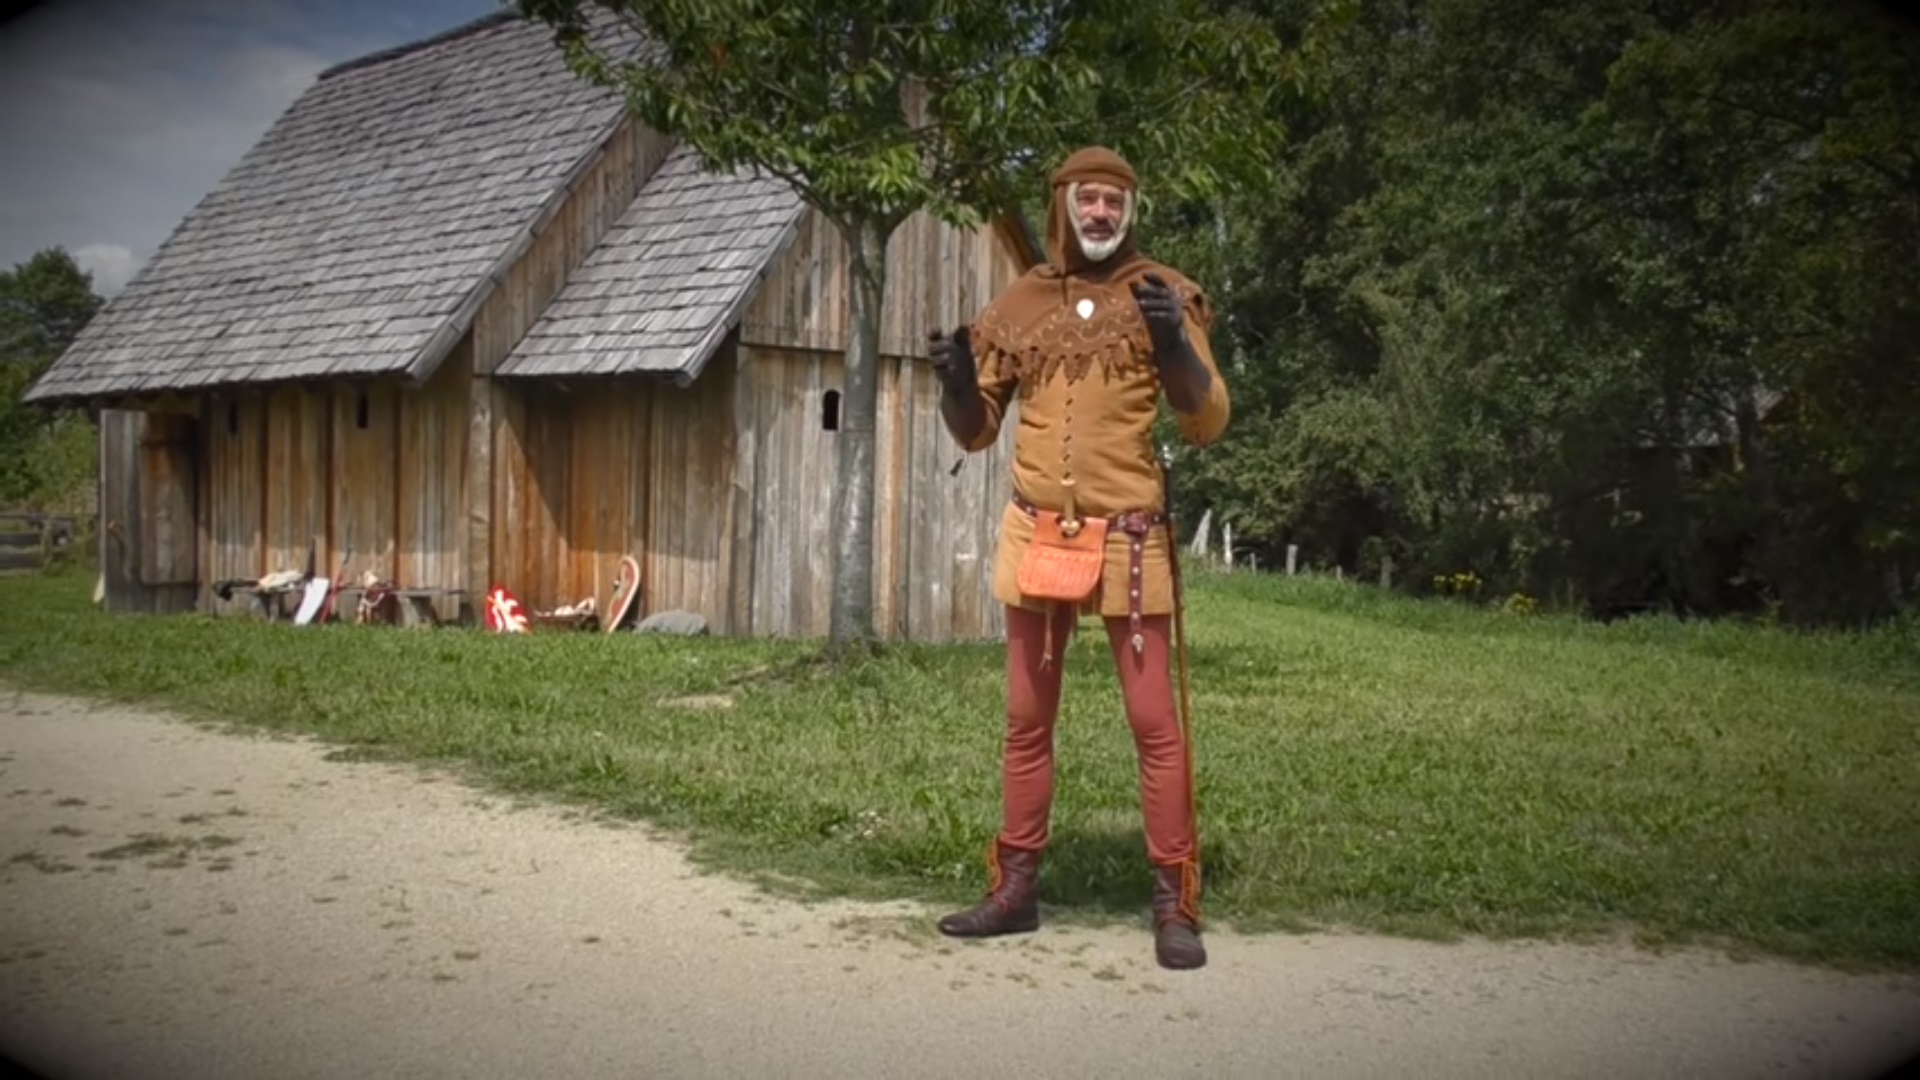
(1066,439)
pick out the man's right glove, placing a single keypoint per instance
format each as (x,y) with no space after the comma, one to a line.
(953,363)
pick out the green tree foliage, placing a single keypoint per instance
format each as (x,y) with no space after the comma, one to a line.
(47,457)
(1612,301)
(875,110)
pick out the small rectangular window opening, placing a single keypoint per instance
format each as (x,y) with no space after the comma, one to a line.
(830,411)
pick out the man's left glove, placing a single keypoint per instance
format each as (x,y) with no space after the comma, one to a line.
(953,362)
(1184,377)
(1160,307)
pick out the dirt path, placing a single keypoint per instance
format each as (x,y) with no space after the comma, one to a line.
(175,902)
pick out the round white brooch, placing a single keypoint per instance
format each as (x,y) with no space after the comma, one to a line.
(1085,308)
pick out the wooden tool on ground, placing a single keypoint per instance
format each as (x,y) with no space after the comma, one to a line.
(626,589)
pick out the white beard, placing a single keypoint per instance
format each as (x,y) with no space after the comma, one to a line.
(1099,250)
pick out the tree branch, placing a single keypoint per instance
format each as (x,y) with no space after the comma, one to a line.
(1899,179)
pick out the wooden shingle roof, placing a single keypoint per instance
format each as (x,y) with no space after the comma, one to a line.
(668,281)
(360,235)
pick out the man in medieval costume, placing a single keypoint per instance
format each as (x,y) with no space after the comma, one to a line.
(1089,341)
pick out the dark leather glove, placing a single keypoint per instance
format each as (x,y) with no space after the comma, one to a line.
(1184,377)
(1160,307)
(953,362)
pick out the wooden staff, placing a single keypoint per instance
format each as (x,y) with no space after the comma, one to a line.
(1180,641)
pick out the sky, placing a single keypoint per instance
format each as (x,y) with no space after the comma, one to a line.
(117,116)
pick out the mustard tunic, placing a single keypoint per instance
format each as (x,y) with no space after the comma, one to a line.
(1091,421)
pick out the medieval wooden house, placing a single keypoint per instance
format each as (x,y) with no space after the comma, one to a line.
(459,320)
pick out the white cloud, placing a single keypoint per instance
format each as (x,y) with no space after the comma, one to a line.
(111,265)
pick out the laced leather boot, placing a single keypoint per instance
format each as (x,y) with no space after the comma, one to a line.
(1176,917)
(1011,905)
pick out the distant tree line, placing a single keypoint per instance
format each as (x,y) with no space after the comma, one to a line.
(1614,303)
(48,457)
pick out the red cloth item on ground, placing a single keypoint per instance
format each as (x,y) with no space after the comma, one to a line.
(504,613)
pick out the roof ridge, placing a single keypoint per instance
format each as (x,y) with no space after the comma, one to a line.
(471,26)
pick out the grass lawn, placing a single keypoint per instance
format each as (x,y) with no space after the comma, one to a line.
(1364,760)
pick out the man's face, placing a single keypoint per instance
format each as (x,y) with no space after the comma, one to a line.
(1100,213)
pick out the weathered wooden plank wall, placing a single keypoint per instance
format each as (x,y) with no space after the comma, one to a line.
(233,430)
(952,518)
(361,465)
(952,521)
(606,487)
(366,470)
(802,304)
(168,499)
(798,462)
(599,469)
(690,464)
(529,498)
(499,424)
(937,277)
(934,532)
(572,490)
(148,542)
(893,511)
(430,482)
(294,477)
(749,453)
(120,507)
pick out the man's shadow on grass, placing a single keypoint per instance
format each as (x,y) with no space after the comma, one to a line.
(1104,872)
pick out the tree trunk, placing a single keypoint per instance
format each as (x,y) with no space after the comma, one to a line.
(851,621)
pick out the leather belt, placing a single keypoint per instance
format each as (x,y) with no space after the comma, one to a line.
(1136,524)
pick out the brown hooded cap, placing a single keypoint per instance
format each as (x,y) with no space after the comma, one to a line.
(1096,164)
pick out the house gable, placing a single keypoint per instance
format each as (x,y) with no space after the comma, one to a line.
(668,281)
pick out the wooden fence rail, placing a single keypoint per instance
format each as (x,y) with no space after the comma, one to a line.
(30,541)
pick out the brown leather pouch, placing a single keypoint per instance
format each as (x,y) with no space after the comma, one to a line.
(1065,559)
